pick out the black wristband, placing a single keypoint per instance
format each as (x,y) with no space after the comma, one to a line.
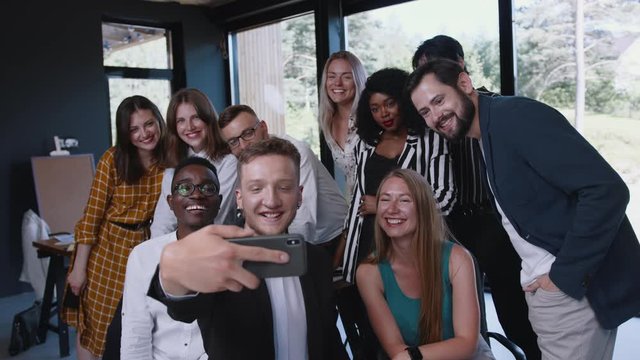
(414,353)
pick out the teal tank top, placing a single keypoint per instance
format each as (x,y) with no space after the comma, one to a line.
(406,310)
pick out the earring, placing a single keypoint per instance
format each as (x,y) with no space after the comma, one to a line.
(239,213)
(299,204)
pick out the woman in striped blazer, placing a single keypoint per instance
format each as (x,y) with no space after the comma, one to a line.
(391,136)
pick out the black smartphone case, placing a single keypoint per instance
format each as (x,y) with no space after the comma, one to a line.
(293,244)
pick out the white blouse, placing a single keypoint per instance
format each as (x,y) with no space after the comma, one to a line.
(345,158)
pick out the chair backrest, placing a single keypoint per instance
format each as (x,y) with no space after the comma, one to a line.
(517,353)
(62,185)
(480,287)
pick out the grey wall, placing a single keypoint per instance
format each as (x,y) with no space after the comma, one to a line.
(52,83)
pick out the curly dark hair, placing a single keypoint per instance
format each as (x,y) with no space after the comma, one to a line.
(391,82)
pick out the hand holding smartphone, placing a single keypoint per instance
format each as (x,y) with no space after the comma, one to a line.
(293,244)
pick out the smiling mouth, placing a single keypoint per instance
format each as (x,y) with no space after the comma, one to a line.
(271,216)
(395,221)
(446,122)
(192,134)
(196,208)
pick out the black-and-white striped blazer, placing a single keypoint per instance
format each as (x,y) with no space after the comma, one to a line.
(429,156)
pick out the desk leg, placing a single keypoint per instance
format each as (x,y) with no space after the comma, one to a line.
(63,328)
(47,300)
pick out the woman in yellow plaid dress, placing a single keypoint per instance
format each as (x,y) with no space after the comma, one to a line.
(117,218)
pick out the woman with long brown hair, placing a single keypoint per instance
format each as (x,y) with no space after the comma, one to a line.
(192,124)
(117,218)
(418,287)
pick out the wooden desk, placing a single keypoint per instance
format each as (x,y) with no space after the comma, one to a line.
(56,277)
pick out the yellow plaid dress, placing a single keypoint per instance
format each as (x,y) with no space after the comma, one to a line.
(109,202)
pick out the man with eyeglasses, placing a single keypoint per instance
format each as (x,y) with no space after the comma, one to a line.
(148,332)
(321,215)
(241,316)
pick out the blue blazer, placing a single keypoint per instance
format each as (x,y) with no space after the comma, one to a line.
(562,196)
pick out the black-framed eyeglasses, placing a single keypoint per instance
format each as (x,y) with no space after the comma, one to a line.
(186,189)
(246,135)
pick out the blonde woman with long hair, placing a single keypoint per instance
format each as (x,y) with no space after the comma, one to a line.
(343,79)
(418,287)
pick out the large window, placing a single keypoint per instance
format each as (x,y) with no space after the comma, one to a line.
(274,67)
(137,61)
(388,37)
(594,82)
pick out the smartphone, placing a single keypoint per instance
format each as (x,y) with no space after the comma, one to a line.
(293,244)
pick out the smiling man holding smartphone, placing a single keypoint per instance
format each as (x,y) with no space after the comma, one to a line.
(285,317)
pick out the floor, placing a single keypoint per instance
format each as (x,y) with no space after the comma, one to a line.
(627,343)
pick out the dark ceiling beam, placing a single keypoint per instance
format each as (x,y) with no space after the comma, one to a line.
(350,7)
(243,14)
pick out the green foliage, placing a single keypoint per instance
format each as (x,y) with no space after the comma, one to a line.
(483,63)
(297,123)
(545,33)
(362,40)
(149,54)
(299,62)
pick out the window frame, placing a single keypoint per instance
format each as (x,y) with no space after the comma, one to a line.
(176,75)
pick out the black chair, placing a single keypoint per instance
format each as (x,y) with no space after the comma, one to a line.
(515,350)
(360,337)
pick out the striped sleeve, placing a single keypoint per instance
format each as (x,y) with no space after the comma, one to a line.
(438,171)
(86,231)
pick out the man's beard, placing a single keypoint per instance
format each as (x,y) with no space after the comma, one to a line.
(465,119)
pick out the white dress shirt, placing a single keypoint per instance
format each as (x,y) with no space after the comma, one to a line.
(148,332)
(536,261)
(289,318)
(164,220)
(321,215)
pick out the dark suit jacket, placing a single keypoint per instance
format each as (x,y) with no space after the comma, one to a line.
(240,325)
(561,195)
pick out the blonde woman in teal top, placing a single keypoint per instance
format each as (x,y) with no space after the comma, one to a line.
(419,289)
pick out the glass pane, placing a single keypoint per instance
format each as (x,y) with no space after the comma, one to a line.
(609,113)
(158,91)
(388,37)
(276,72)
(135,46)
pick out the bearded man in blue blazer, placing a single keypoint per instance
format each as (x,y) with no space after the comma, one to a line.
(561,203)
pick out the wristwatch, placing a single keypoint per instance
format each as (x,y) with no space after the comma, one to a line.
(414,353)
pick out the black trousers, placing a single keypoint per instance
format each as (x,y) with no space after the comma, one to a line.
(112,343)
(480,231)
